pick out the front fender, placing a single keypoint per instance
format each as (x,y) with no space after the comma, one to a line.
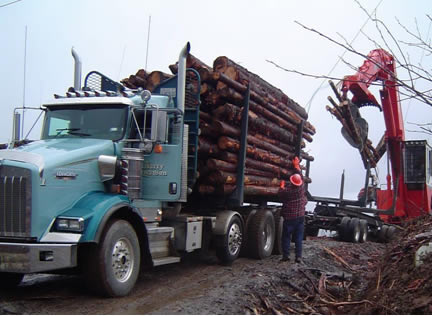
(222,221)
(96,208)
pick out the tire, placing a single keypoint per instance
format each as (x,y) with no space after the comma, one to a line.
(343,229)
(311,231)
(261,235)
(354,230)
(363,236)
(115,264)
(229,248)
(381,234)
(10,280)
(390,233)
(278,249)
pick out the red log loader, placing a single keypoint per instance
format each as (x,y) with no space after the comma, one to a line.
(408,193)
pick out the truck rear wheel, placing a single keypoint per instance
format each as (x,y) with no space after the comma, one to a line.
(115,265)
(229,248)
(390,233)
(261,234)
(381,234)
(354,230)
(10,280)
(343,229)
(278,250)
(363,236)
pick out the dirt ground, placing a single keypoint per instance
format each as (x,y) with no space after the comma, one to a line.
(335,278)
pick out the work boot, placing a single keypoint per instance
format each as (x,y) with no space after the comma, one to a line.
(285,259)
(299,260)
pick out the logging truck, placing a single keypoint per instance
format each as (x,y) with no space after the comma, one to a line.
(109,187)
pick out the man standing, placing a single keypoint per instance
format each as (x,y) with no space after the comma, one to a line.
(294,200)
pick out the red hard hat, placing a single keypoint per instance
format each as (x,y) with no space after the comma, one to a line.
(296,179)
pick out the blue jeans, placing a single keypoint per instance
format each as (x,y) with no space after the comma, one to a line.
(293,227)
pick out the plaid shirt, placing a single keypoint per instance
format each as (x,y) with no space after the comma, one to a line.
(294,200)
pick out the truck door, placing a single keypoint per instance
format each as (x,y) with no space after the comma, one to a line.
(162,169)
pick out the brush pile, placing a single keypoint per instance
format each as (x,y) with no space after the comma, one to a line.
(274,121)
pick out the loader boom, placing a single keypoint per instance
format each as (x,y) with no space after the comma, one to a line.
(408,199)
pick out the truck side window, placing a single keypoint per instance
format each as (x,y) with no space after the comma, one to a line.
(134,134)
(174,130)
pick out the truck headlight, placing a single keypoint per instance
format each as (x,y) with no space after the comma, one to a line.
(75,225)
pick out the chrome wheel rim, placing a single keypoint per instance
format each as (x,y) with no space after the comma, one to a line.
(234,239)
(122,260)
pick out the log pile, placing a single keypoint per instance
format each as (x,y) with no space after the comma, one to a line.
(273,122)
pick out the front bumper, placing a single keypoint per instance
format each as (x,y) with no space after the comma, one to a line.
(32,258)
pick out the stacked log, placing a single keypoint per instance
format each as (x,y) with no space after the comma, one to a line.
(145,80)
(344,112)
(273,122)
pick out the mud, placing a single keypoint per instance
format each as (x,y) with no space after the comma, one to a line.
(195,286)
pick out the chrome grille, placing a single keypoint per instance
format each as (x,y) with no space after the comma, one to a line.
(15,201)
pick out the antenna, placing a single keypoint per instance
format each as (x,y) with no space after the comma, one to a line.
(24,85)
(148,36)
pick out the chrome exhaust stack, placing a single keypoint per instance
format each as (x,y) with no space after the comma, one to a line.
(181,77)
(77,70)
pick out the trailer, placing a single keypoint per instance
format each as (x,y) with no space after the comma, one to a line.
(353,220)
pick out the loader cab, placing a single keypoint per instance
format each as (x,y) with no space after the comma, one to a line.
(417,164)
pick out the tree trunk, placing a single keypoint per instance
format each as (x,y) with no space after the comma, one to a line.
(223,177)
(225,81)
(155,78)
(216,164)
(256,123)
(232,145)
(242,75)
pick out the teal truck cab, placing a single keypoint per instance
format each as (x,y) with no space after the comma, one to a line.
(100,193)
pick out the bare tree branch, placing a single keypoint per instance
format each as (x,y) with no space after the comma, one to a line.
(425,98)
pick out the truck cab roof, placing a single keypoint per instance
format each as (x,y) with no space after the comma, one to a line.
(161,101)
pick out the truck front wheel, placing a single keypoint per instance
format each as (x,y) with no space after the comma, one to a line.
(230,246)
(116,263)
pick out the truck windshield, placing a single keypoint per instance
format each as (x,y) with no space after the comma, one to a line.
(85,121)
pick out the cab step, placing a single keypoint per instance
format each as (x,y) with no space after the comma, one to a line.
(165,260)
(161,245)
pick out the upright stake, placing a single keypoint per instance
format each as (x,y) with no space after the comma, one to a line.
(148,37)
(24,85)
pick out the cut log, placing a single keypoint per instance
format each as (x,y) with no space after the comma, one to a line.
(223,177)
(231,113)
(216,164)
(205,117)
(278,171)
(155,78)
(205,89)
(208,130)
(229,130)
(232,145)
(225,81)
(206,147)
(191,62)
(239,73)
